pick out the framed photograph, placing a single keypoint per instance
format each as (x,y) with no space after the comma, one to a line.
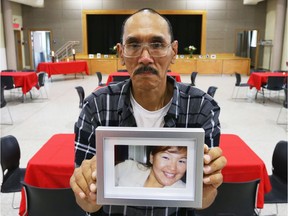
(150,166)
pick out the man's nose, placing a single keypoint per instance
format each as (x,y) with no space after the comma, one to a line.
(145,56)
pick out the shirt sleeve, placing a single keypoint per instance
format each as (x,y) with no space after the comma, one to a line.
(211,124)
(84,130)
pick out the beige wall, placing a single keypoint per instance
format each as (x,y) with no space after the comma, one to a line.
(269,35)
(224,17)
(17,16)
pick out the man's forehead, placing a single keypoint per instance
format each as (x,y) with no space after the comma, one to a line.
(145,23)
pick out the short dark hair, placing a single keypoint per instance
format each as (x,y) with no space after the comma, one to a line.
(153,12)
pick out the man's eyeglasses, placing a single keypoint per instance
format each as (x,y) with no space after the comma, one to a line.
(157,49)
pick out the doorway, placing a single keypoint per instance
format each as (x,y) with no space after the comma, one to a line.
(247,45)
(40,46)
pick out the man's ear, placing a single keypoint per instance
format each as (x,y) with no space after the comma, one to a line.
(120,54)
(175,51)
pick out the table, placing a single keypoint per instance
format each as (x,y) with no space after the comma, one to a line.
(257,79)
(53,165)
(244,165)
(56,68)
(25,80)
(111,76)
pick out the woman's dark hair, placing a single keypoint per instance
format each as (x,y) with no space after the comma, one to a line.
(153,12)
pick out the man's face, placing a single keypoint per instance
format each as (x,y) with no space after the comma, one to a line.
(146,27)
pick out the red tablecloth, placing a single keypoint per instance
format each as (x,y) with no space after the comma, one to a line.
(244,165)
(25,80)
(114,74)
(53,165)
(258,79)
(71,67)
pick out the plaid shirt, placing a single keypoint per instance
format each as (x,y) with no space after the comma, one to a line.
(110,106)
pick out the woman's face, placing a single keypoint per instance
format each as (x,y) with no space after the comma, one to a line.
(168,166)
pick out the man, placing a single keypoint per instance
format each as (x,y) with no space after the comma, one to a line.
(148,99)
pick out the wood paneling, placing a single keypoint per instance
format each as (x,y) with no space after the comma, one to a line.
(209,66)
(241,66)
(184,66)
(104,65)
(224,64)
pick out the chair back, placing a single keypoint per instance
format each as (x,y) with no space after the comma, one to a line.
(10,157)
(51,201)
(10,153)
(211,90)
(238,79)
(81,94)
(3,102)
(41,79)
(275,83)
(259,70)
(279,160)
(285,102)
(193,78)
(278,178)
(122,70)
(120,78)
(233,199)
(27,70)
(8,70)
(99,75)
(7,82)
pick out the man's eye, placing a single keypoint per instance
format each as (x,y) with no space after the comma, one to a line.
(134,45)
(156,45)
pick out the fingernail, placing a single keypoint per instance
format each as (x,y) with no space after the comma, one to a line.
(94,174)
(93,187)
(82,195)
(207,169)
(207,158)
(206,180)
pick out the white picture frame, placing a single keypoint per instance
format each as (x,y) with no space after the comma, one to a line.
(108,138)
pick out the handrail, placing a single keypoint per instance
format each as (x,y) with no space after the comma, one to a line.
(66,50)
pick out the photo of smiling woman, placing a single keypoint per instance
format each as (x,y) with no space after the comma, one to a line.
(165,167)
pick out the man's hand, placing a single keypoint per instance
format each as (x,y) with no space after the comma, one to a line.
(214,162)
(83,183)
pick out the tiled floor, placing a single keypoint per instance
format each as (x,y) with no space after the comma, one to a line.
(35,121)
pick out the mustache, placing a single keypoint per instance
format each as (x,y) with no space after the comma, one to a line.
(146,69)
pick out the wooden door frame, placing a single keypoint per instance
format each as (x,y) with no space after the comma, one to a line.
(18,49)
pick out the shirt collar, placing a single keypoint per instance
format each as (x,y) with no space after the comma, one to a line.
(125,108)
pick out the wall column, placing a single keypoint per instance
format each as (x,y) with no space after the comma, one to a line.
(278,34)
(9,35)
